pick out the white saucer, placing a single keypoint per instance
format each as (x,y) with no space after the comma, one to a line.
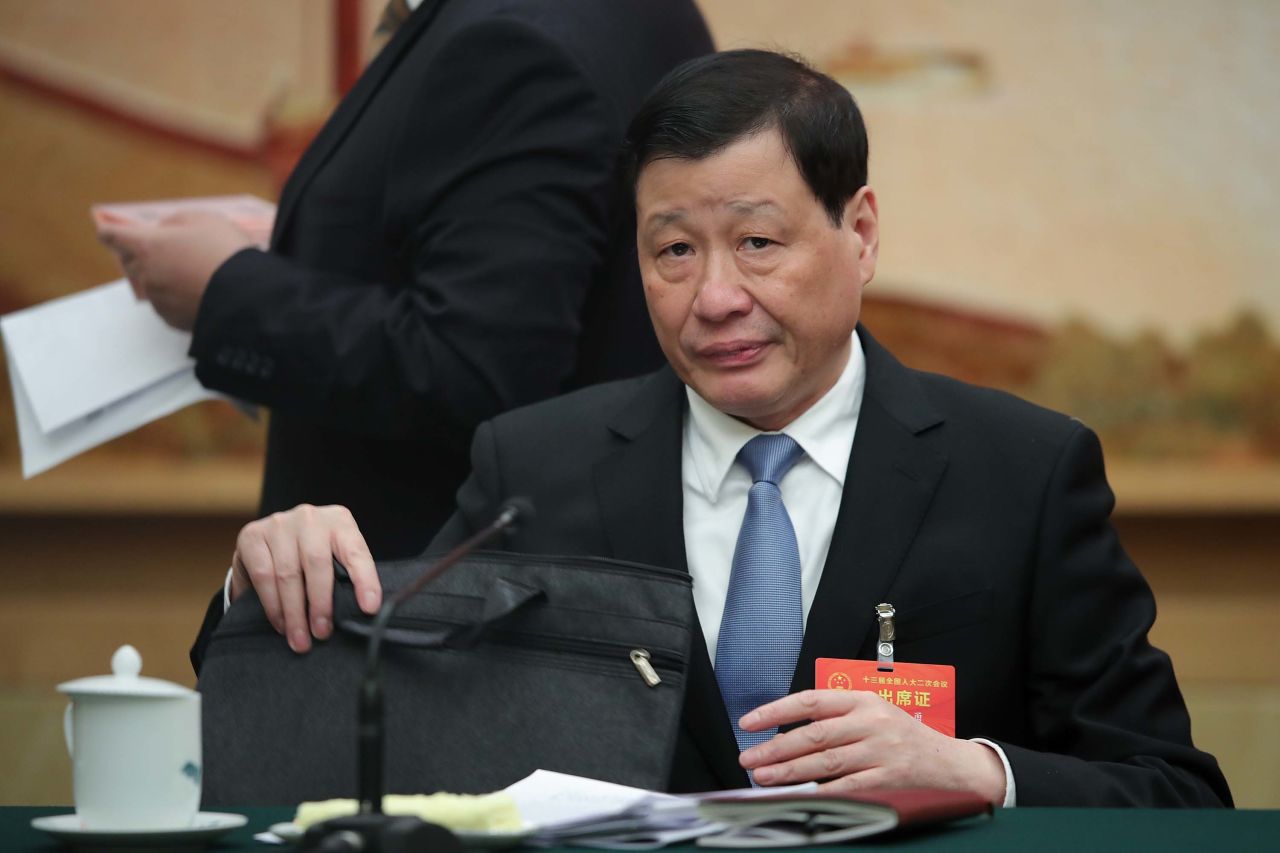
(205,826)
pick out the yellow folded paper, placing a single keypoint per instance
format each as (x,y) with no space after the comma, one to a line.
(459,812)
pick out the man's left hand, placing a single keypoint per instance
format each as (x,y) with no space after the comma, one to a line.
(170,264)
(857,740)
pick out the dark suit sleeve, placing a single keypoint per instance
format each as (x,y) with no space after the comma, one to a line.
(1105,710)
(212,616)
(497,210)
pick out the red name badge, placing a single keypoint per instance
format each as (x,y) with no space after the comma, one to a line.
(926,691)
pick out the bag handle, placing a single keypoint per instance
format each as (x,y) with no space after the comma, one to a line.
(505,598)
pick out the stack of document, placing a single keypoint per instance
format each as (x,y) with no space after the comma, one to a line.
(559,810)
(570,810)
(89,367)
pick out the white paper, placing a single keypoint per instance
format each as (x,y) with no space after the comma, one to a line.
(92,366)
(80,353)
(42,451)
(269,837)
(547,799)
(572,810)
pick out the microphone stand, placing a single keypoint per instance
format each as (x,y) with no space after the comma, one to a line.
(371,831)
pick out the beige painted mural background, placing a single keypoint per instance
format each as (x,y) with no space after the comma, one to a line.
(1077,201)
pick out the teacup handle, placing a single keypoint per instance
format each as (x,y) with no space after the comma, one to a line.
(66,730)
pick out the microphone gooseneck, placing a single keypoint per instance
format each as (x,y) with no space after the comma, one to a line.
(371,721)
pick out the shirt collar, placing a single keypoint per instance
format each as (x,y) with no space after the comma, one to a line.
(824,431)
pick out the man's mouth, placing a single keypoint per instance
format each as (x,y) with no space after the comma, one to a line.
(732,353)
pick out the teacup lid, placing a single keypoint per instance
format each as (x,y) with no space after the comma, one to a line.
(124,680)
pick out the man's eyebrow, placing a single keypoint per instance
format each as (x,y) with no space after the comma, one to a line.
(739,207)
(663,219)
(746,207)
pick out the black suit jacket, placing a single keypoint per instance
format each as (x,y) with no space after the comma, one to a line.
(982,518)
(453,244)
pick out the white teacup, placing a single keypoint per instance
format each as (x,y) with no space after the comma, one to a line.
(135,748)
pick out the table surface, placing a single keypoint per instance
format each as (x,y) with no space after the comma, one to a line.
(1041,830)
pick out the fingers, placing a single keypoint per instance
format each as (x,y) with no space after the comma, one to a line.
(290,584)
(828,762)
(350,548)
(817,737)
(121,237)
(316,558)
(197,217)
(288,560)
(834,744)
(110,217)
(806,705)
(862,780)
(128,243)
(253,564)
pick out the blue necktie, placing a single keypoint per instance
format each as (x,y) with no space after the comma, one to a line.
(763,620)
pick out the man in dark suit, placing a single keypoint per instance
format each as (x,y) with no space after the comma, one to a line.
(983,519)
(454,243)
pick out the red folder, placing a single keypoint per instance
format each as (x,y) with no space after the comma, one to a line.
(801,820)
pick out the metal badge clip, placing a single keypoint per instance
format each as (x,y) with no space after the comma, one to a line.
(884,646)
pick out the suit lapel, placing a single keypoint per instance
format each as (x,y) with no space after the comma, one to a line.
(638,486)
(891,479)
(348,111)
(641,503)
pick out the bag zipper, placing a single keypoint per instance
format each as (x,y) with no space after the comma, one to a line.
(640,658)
(645,662)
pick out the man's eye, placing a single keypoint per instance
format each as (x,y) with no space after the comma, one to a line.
(679,250)
(759,242)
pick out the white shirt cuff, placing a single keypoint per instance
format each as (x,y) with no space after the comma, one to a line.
(1010,787)
(226,605)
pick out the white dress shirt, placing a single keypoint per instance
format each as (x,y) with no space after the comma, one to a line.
(715,488)
(715,496)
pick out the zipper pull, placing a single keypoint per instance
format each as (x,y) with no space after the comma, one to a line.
(640,658)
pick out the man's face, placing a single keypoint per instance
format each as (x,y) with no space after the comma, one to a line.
(753,293)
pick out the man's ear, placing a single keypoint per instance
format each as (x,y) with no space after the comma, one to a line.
(862,216)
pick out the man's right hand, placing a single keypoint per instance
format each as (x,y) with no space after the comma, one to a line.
(287,558)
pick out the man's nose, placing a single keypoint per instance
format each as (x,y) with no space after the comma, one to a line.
(722,292)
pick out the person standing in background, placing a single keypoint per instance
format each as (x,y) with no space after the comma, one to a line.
(454,243)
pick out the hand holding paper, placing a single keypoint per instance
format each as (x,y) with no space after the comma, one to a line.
(170,263)
(94,365)
(857,740)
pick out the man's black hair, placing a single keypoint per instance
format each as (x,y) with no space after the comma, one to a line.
(709,103)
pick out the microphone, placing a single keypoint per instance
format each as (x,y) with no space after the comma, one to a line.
(370,829)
